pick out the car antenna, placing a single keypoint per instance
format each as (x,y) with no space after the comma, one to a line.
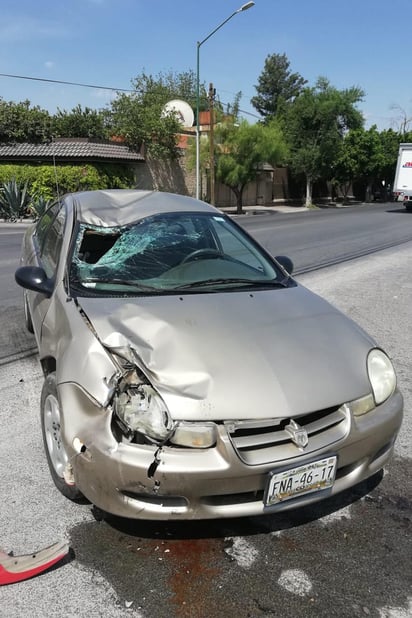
(55,169)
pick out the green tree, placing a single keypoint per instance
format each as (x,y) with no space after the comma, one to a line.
(361,157)
(367,156)
(314,126)
(277,86)
(81,122)
(183,86)
(22,122)
(138,116)
(231,109)
(402,121)
(390,144)
(241,148)
(46,182)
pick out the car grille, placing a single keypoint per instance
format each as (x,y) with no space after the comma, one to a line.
(260,442)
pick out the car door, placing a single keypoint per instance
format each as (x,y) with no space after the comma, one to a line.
(47,243)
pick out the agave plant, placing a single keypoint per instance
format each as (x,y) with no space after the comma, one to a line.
(38,206)
(14,200)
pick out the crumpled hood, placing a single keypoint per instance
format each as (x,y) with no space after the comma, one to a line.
(239,355)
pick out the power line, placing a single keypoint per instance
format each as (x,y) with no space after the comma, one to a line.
(243,111)
(59,81)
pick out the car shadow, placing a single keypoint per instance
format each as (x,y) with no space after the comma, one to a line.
(238,567)
(399,211)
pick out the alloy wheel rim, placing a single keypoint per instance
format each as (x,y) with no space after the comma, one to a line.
(52,430)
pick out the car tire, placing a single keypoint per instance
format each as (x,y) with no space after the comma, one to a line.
(27,317)
(57,457)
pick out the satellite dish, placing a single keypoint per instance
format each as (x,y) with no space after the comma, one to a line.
(182,110)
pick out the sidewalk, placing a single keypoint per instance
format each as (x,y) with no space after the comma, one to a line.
(257,210)
(282,208)
(229,210)
(13,224)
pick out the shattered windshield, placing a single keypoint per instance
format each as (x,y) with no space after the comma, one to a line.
(168,253)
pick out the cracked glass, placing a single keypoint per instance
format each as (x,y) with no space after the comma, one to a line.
(167,253)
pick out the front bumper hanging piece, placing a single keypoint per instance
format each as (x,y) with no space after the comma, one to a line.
(17,568)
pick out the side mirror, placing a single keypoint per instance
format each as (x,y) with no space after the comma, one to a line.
(286,262)
(34,278)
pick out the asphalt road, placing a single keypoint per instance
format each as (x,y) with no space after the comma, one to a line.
(10,243)
(347,557)
(323,237)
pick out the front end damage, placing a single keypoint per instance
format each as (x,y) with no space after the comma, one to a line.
(142,416)
(128,436)
(132,459)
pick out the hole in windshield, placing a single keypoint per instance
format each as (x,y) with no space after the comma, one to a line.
(167,253)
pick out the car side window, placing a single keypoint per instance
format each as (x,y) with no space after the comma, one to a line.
(49,237)
(43,225)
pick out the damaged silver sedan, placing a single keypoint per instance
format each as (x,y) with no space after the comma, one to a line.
(187,375)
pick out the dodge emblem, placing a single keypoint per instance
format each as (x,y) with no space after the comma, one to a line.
(298,434)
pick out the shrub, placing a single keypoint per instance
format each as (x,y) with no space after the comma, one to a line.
(38,206)
(14,200)
(48,182)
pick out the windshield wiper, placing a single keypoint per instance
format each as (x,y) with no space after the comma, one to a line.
(126,282)
(250,282)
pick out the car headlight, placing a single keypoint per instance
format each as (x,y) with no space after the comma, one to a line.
(142,409)
(381,375)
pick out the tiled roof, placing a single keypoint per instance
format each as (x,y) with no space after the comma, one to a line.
(69,151)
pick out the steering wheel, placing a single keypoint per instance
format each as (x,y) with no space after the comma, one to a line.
(201,254)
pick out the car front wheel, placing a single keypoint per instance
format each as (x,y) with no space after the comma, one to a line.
(56,454)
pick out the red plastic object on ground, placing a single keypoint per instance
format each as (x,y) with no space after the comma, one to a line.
(16,568)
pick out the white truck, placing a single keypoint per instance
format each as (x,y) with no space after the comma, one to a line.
(402,186)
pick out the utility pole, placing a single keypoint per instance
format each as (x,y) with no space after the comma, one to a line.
(212,95)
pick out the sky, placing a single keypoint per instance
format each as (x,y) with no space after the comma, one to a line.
(109,42)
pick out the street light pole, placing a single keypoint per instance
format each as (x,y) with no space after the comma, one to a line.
(212,93)
(244,7)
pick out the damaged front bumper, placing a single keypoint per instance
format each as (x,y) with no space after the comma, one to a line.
(167,482)
(15,569)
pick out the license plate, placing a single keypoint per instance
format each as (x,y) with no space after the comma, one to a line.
(315,476)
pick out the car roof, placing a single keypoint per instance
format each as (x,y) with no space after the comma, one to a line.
(117,207)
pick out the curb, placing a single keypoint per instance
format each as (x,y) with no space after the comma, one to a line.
(24,223)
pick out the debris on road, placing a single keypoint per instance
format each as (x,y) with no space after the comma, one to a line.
(17,568)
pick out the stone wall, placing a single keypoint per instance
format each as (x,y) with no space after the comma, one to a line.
(164,175)
(178,177)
